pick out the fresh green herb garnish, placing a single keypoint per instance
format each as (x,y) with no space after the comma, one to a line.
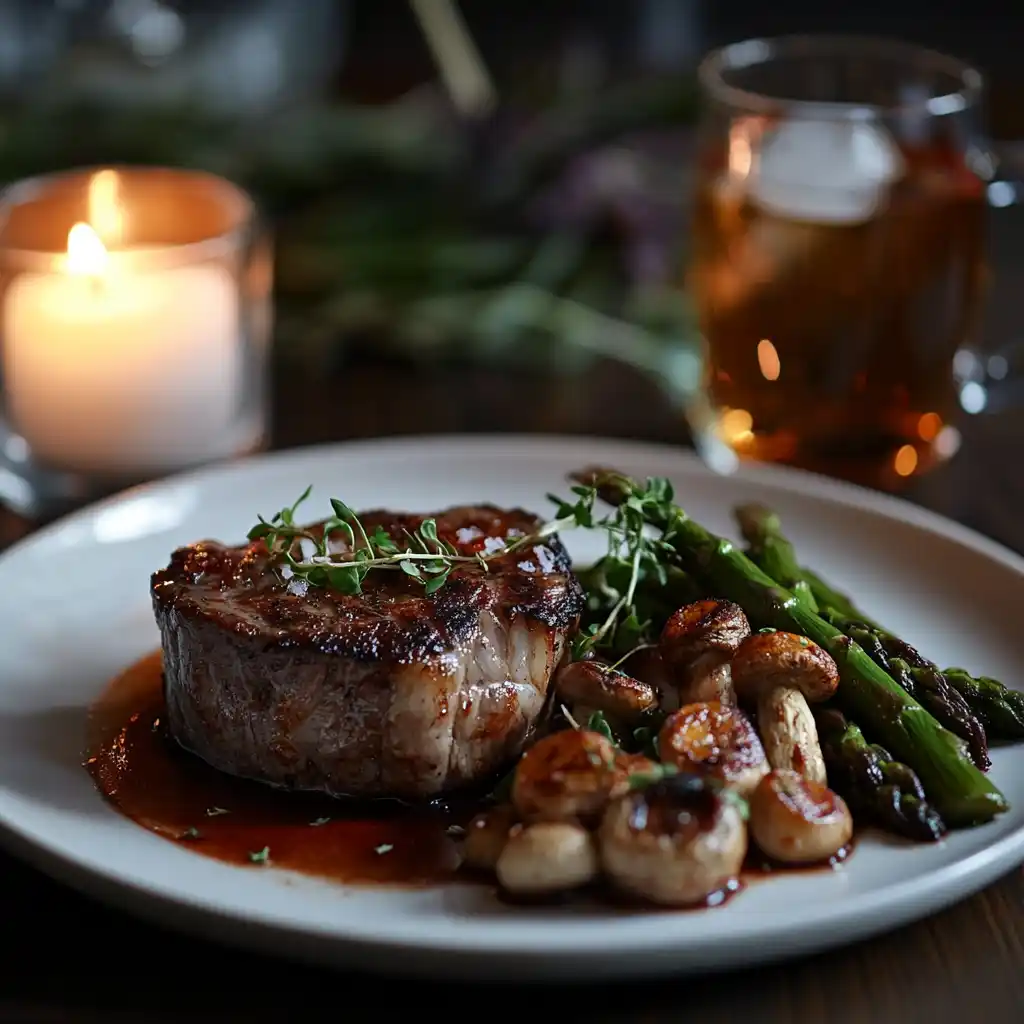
(260,856)
(657,772)
(306,554)
(191,833)
(384,848)
(645,739)
(634,557)
(634,554)
(598,723)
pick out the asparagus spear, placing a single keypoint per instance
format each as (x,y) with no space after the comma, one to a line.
(958,789)
(998,709)
(762,530)
(875,786)
(926,684)
(771,550)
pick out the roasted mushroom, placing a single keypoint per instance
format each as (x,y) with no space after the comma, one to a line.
(798,821)
(547,857)
(596,687)
(697,643)
(676,842)
(716,740)
(568,776)
(779,673)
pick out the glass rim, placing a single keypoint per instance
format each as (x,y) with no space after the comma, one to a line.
(144,257)
(713,68)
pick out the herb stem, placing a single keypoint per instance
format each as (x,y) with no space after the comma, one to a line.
(383,561)
(629,654)
(426,557)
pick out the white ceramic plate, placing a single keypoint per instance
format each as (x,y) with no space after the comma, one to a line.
(74,610)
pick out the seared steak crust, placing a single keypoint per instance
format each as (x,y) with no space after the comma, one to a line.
(388,693)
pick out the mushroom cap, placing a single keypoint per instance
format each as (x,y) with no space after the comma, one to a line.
(606,689)
(568,775)
(700,627)
(764,661)
(673,843)
(714,739)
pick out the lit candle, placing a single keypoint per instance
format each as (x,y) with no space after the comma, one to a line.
(116,362)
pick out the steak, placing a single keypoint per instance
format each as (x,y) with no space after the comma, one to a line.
(390,693)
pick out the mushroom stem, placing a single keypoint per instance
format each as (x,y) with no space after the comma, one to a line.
(709,679)
(789,733)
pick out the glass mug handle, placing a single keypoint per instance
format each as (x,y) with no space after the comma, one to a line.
(993,380)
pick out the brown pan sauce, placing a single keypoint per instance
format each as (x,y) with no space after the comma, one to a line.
(145,775)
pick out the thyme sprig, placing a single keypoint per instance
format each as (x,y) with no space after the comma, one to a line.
(306,553)
(634,555)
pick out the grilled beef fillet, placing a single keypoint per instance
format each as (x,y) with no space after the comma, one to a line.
(391,693)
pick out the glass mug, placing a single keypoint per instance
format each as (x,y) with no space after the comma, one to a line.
(838,251)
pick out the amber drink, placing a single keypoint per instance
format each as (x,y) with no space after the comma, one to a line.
(838,252)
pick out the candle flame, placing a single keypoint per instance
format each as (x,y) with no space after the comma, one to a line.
(86,253)
(105,207)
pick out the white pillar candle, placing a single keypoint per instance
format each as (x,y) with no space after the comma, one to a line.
(116,365)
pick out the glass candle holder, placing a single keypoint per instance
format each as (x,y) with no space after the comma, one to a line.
(135,317)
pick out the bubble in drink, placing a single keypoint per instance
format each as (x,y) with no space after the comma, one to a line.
(825,172)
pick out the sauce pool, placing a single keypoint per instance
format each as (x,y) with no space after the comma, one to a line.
(151,780)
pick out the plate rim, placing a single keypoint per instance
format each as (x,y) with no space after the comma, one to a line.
(918,897)
(832,488)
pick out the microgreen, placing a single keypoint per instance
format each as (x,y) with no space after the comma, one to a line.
(645,741)
(648,777)
(634,556)
(599,724)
